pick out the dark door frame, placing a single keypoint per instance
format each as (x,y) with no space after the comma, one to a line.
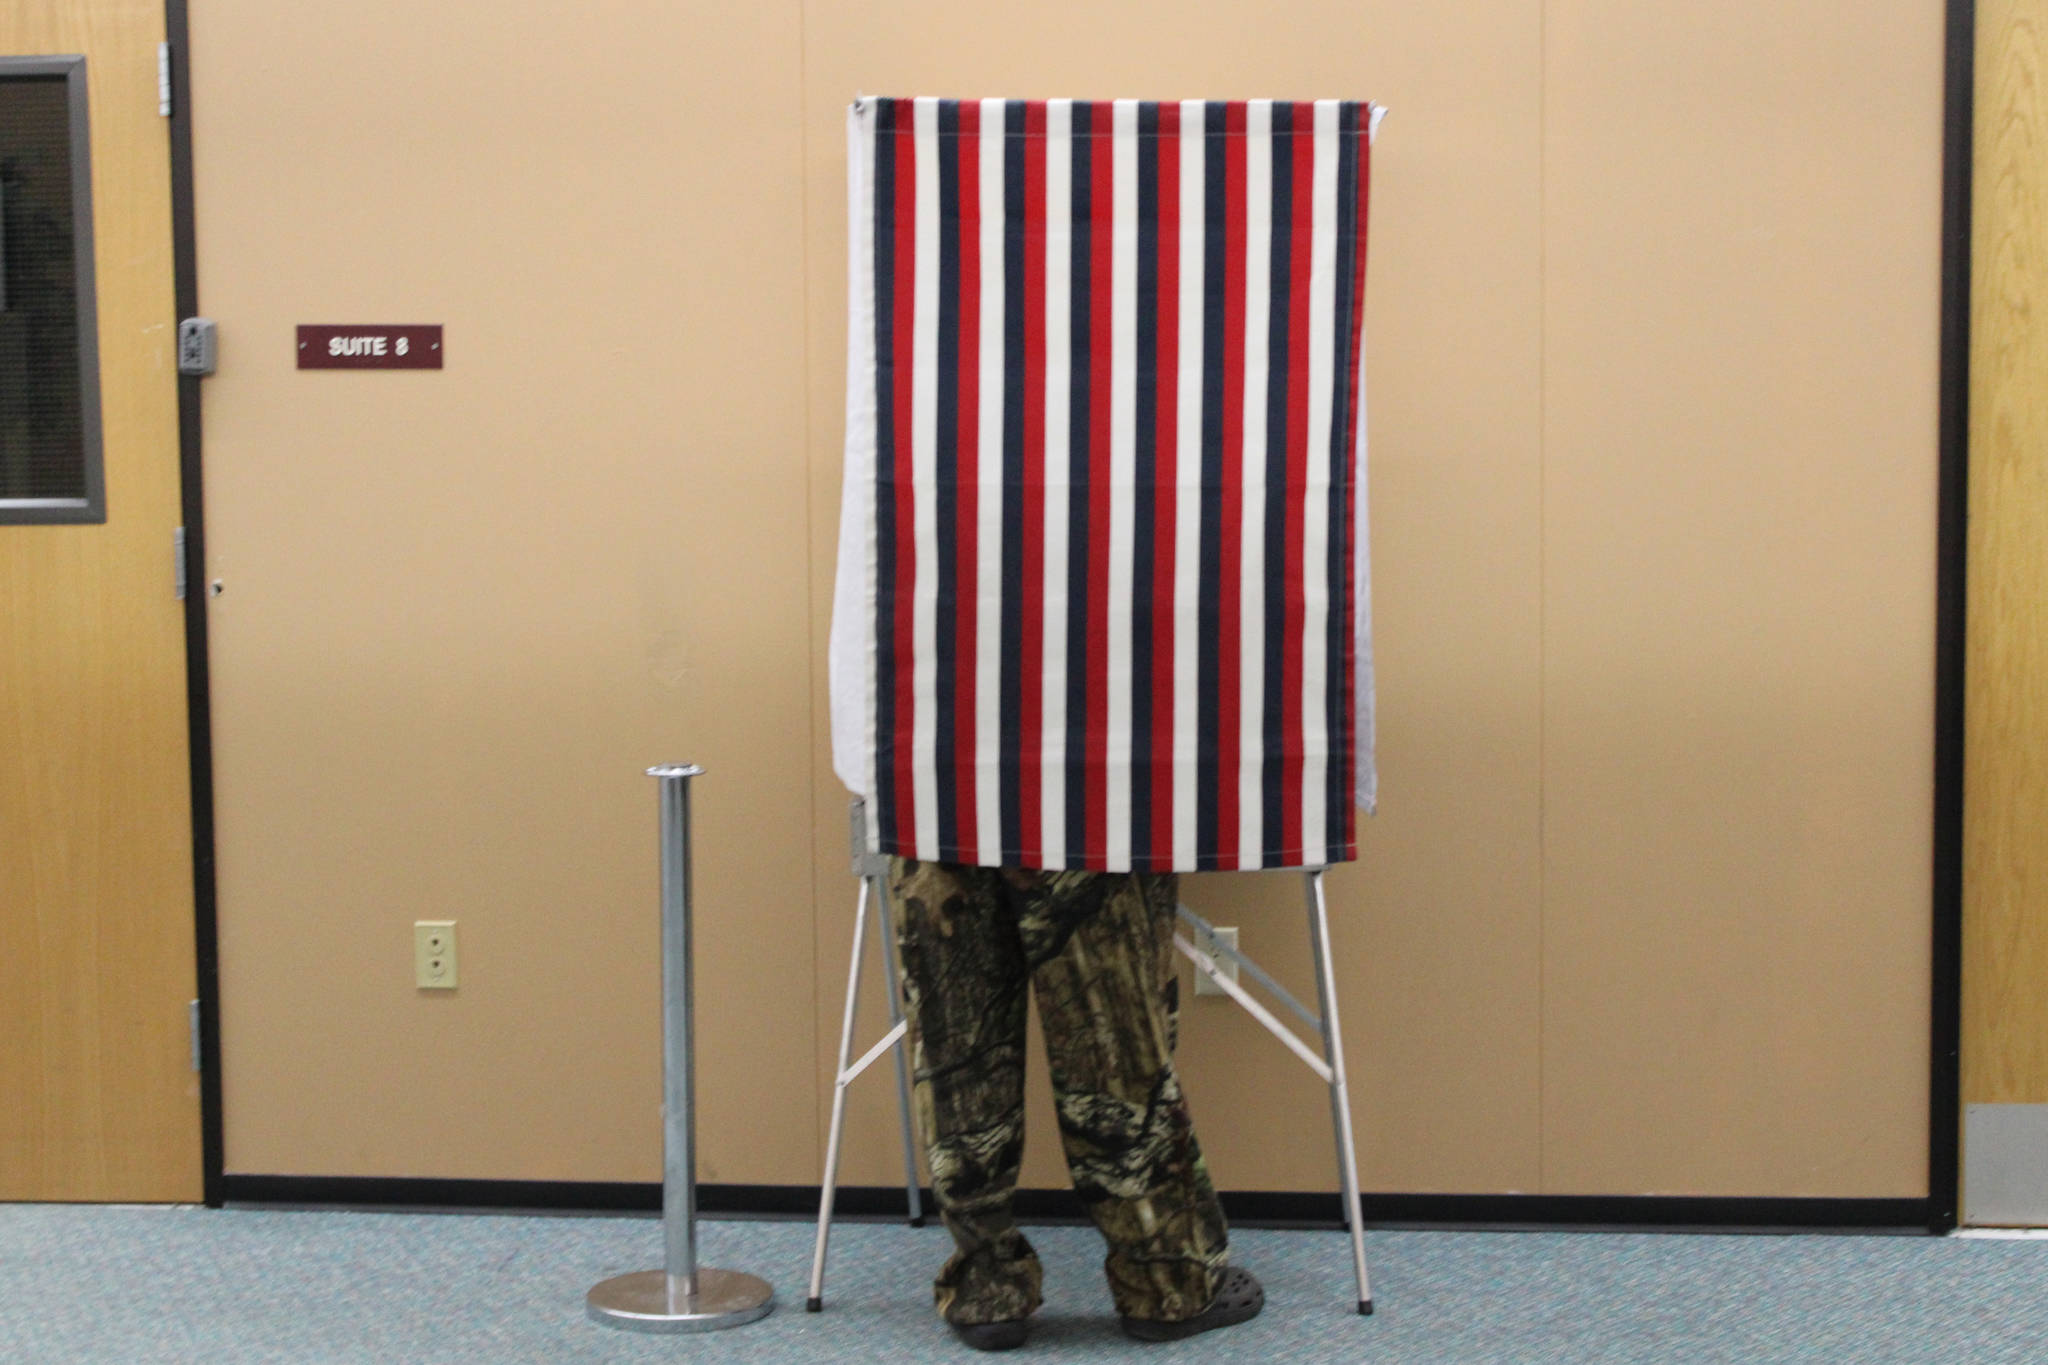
(197,696)
(1944,1090)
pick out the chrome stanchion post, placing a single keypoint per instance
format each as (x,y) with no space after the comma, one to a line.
(680,1297)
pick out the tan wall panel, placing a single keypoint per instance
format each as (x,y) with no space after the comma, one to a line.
(2005,871)
(1741,298)
(464,610)
(1653,487)
(1436,931)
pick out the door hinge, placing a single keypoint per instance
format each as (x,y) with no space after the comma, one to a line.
(178,562)
(192,1018)
(163,80)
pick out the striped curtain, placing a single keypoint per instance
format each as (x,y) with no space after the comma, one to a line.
(1102,594)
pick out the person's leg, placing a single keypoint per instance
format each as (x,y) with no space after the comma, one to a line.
(1100,949)
(964,981)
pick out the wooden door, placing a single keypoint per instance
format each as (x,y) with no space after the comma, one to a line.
(2005,799)
(98,1099)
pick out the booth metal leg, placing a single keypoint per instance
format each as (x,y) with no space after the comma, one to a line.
(1340,1095)
(893,1040)
(902,1050)
(815,1302)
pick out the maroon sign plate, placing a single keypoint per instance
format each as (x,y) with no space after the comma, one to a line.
(369,346)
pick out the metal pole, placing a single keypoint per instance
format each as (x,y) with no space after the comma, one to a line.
(1340,1092)
(888,928)
(679,1053)
(816,1302)
(680,1297)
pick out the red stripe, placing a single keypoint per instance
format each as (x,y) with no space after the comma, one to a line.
(1031,710)
(905,304)
(967,447)
(1165,464)
(1357,324)
(1228,572)
(1294,599)
(1101,342)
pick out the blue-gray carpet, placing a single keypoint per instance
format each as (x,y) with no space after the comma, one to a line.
(81,1285)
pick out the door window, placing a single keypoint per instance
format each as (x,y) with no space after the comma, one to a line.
(50,467)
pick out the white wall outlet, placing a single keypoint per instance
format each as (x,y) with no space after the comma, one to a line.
(433,954)
(1205,942)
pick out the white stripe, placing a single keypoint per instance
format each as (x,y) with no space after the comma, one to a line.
(988,572)
(1251,670)
(1365,773)
(1123,474)
(1315,522)
(853,650)
(1059,245)
(924,417)
(1187,531)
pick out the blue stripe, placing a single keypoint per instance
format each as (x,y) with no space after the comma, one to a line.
(1077,498)
(885,472)
(1215,213)
(1145,493)
(1277,490)
(946,453)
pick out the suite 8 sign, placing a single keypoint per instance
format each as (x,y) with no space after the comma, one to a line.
(369,346)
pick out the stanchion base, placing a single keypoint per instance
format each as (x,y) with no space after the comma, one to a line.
(639,1302)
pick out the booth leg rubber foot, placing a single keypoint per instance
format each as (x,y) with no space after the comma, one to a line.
(814,1304)
(1364,1308)
(918,1221)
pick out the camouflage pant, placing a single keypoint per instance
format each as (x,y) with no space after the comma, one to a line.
(1098,950)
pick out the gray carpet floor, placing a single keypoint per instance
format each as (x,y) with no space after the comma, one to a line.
(82,1285)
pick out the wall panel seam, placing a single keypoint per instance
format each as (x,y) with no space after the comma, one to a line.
(1542,583)
(803,175)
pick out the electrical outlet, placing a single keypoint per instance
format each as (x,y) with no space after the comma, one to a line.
(1203,985)
(433,954)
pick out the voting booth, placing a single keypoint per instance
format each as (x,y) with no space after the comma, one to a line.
(1103,592)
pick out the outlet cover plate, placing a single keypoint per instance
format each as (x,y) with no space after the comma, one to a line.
(433,954)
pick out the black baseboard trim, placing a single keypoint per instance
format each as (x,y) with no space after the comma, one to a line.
(1245,1208)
